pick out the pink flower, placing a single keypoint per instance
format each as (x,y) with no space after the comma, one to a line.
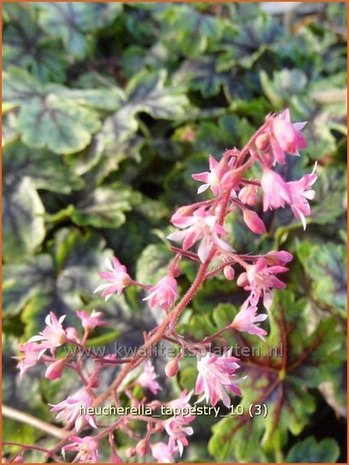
(300,192)
(215,378)
(201,225)
(117,279)
(31,354)
(213,177)
(163,294)
(285,136)
(162,452)
(275,191)
(148,377)
(253,221)
(72,408)
(86,447)
(91,321)
(55,369)
(247,320)
(177,429)
(72,335)
(53,335)
(182,402)
(261,280)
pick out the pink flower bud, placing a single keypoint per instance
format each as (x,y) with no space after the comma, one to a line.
(131,452)
(142,448)
(55,369)
(278,258)
(242,280)
(171,369)
(253,221)
(115,458)
(174,269)
(229,272)
(185,210)
(262,142)
(72,334)
(249,195)
(158,427)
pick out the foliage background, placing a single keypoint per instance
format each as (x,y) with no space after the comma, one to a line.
(108,109)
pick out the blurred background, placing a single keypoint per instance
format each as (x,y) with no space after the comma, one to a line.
(108,108)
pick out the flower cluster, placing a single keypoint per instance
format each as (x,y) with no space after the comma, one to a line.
(201,235)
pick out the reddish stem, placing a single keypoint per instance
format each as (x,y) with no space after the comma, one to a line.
(169,323)
(32,447)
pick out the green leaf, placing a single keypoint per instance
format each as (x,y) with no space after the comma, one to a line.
(46,119)
(200,74)
(152,263)
(19,162)
(246,441)
(325,266)
(330,197)
(284,84)
(23,433)
(147,92)
(101,99)
(187,378)
(9,131)
(326,122)
(279,380)
(25,46)
(230,131)
(22,281)
(79,257)
(103,339)
(23,219)
(199,327)
(135,58)
(214,292)
(244,46)
(116,130)
(40,284)
(310,451)
(335,392)
(71,22)
(189,29)
(131,239)
(104,207)
(19,86)
(203,322)
(59,125)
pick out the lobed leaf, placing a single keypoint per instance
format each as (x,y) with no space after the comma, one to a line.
(280,383)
